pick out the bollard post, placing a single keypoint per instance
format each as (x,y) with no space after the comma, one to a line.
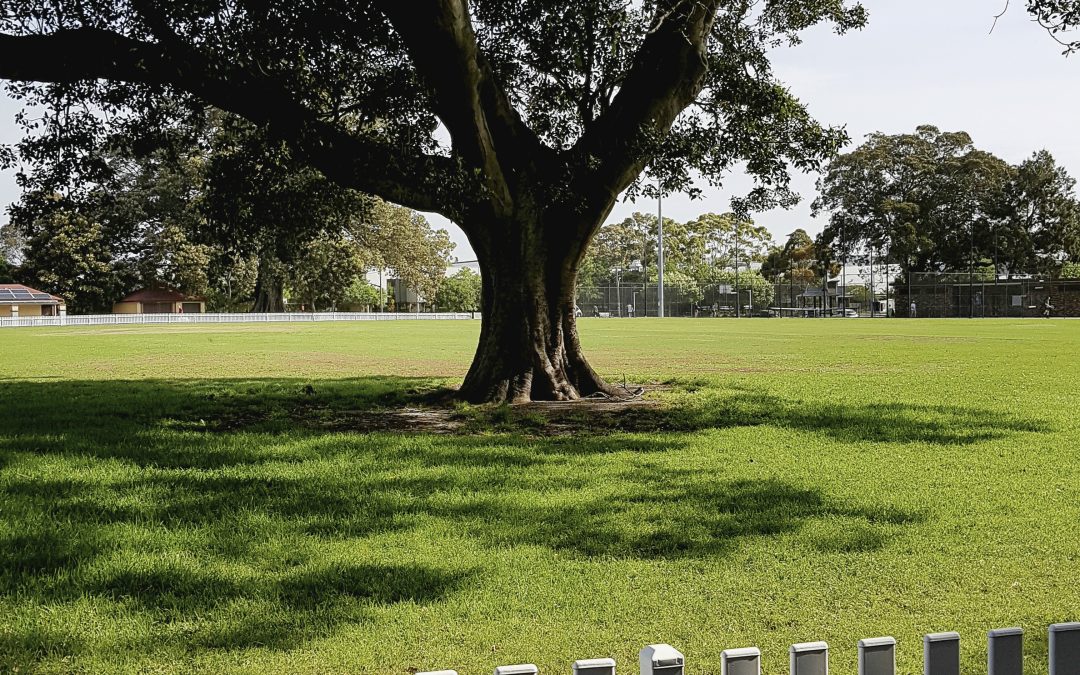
(1065,649)
(745,661)
(519,669)
(810,658)
(661,659)
(877,656)
(941,653)
(594,667)
(1005,651)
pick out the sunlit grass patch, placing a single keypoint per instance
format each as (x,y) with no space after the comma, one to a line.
(783,481)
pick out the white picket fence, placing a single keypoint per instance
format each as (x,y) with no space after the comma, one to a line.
(239,317)
(877,656)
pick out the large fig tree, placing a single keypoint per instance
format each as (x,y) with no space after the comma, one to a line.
(520,120)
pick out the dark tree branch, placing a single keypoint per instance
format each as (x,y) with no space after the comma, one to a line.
(87,54)
(487,131)
(666,76)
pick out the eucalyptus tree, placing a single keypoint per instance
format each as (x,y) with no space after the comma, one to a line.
(520,120)
(933,201)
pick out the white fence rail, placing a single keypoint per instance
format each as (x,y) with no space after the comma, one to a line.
(244,317)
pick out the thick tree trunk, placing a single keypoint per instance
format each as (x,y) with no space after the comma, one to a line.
(529,348)
(269,287)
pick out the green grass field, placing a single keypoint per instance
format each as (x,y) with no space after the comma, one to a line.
(210,498)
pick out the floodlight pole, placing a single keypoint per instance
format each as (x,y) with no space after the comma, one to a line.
(618,290)
(738,300)
(843,274)
(888,254)
(660,254)
(645,272)
(971,271)
(873,295)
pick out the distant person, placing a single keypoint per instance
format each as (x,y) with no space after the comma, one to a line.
(596,311)
(1047,307)
(914,310)
(630,311)
(577,312)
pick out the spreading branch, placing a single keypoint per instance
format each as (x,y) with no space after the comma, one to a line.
(73,55)
(486,130)
(666,76)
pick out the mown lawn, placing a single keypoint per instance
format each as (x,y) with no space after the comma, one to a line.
(186,499)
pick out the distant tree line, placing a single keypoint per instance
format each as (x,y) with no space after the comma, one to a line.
(211,207)
(931,201)
(700,253)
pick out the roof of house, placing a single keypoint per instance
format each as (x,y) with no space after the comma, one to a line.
(159,295)
(17,294)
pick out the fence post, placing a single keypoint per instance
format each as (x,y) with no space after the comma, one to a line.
(941,653)
(745,661)
(1005,651)
(810,658)
(594,667)
(1065,649)
(661,659)
(877,656)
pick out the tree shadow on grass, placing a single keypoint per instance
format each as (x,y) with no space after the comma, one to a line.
(94,410)
(215,504)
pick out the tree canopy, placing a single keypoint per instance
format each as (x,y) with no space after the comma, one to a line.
(693,251)
(933,201)
(521,121)
(460,292)
(233,218)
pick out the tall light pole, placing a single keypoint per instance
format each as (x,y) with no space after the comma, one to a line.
(873,295)
(971,271)
(645,272)
(843,274)
(618,292)
(738,301)
(660,254)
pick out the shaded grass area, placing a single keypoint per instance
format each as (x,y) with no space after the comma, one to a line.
(268,523)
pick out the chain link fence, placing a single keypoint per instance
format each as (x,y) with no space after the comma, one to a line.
(639,300)
(888,293)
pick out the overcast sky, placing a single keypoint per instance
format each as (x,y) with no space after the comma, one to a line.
(919,62)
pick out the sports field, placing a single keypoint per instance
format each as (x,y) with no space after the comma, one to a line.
(250,498)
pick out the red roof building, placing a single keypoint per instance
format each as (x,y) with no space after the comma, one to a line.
(160,301)
(17,300)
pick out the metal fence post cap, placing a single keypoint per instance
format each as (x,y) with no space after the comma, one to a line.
(593,663)
(886,641)
(809,647)
(1065,627)
(740,653)
(604,666)
(941,637)
(1005,632)
(662,655)
(519,669)
(741,661)
(661,658)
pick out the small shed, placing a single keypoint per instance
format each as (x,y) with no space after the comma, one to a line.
(160,301)
(17,300)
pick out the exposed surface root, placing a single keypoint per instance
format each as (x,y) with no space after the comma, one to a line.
(594,414)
